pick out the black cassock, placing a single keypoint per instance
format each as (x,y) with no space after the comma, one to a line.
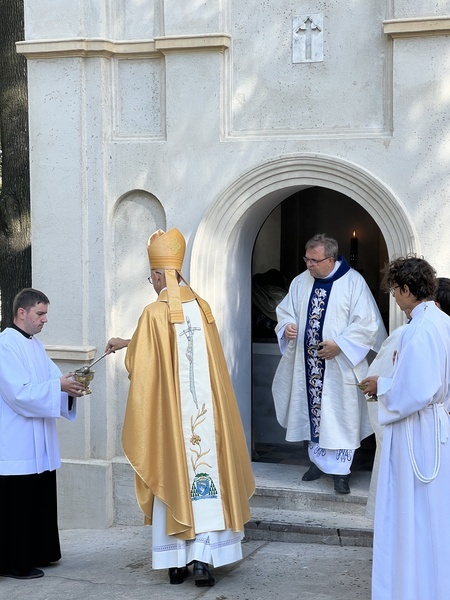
(28,521)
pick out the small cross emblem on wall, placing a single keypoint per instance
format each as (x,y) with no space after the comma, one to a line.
(307,38)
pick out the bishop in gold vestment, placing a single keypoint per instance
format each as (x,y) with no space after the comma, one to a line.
(182,431)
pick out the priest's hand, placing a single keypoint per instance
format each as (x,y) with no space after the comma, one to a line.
(72,387)
(116,344)
(290,331)
(328,349)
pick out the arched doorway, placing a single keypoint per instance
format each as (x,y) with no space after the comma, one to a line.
(221,253)
(277,259)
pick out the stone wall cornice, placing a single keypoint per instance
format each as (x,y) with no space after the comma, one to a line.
(417,27)
(104,48)
(80,354)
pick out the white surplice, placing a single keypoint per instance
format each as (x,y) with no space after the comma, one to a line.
(353,321)
(30,402)
(411,553)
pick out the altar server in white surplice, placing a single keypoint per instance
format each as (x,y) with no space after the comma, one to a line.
(327,324)
(33,395)
(411,551)
(383,365)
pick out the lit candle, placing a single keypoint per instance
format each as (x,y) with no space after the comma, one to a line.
(353,249)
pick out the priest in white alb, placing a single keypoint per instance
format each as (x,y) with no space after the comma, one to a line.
(327,324)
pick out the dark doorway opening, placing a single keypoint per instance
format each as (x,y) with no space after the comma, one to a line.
(277,259)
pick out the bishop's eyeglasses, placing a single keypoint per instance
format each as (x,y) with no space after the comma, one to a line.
(150,280)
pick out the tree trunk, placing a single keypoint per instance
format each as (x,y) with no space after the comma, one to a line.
(15,220)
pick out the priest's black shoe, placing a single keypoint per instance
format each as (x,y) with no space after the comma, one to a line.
(202,574)
(178,575)
(312,473)
(341,484)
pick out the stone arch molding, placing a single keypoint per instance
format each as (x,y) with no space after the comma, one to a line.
(222,249)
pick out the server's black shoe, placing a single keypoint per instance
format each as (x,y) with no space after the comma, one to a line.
(17,574)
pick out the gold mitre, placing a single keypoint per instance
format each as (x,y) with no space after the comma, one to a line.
(166,250)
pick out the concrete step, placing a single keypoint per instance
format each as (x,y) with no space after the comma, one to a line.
(284,508)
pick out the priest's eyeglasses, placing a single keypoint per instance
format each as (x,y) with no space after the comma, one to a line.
(313,261)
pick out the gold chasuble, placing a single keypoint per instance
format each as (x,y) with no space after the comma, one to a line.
(177,464)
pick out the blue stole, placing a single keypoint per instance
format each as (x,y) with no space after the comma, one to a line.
(314,365)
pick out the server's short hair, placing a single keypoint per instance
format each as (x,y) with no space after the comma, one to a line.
(27,298)
(415,272)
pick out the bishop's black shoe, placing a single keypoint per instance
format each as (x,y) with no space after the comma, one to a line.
(202,574)
(312,473)
(341,484)
(178,574)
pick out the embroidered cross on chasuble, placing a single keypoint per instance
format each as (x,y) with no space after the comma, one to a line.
(198,422)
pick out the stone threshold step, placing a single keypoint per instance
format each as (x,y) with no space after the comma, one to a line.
(309,527)
(277,499)
(288,478)
(281,486)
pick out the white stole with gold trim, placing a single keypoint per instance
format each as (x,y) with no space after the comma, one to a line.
(198,422)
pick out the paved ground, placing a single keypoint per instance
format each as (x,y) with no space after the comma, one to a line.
(115,564)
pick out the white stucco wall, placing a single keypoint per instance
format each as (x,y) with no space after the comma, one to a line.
(160,114)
